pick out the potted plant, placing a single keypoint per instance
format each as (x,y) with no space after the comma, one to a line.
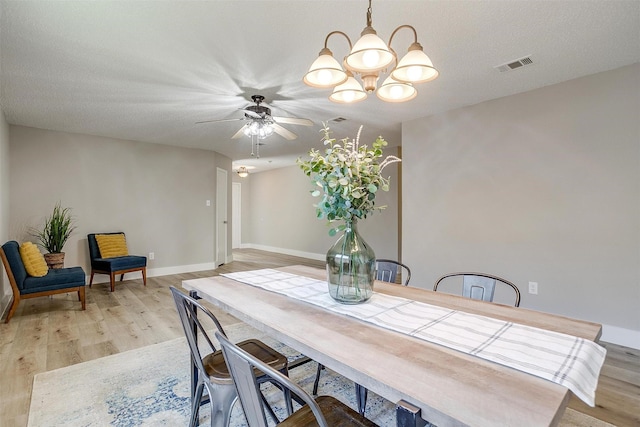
(348,176)
(55,233)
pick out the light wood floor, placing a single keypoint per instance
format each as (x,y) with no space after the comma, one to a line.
(50,333)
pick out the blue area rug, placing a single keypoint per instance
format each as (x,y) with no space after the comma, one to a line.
(150,387)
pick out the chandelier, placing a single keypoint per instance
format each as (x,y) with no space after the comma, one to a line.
(243,172)
(367,59)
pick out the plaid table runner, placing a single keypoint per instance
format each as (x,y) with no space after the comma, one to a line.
(570,361)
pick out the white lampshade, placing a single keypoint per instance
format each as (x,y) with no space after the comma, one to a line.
(243,172)
(395,91)
(369,54)
(264,131)
(415,66)
(349,92)
(325,71)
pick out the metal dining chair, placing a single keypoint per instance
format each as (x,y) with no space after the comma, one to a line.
(480,286)
(324,411)
(389,271)
(210,368)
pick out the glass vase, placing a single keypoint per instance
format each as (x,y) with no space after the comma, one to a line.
(351,265)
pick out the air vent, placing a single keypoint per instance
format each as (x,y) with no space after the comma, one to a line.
(338,119)
(514,65)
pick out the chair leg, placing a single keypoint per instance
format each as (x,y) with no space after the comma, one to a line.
(91,279)
(221,400)
(265,405)
(81,296)
(122,277)
(144,276)
(195,405)
(287,394)
(317,380)
(361,398)
(12,309)
(112,281)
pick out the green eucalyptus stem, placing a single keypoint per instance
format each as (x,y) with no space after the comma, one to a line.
(348,238)
(348,176)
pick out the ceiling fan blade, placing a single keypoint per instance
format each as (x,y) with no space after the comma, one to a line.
(293,121)
(219,121)
(285,133)
(239,133)
(253,114)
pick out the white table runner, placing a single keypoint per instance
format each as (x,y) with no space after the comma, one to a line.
(570,361)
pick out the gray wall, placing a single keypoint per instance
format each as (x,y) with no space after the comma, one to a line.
(542,186)
(283,217)
(5,287)
(156,194)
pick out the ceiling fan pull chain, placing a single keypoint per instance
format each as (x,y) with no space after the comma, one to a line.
(253,137)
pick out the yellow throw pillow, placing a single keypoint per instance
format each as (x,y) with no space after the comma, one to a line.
(112,245)
(33,260)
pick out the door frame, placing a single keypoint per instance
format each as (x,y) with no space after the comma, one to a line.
(236,215)
(221,216)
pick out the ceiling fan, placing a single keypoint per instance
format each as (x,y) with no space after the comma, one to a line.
(261,123)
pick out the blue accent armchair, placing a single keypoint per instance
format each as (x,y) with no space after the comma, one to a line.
(56,281)
(114,266)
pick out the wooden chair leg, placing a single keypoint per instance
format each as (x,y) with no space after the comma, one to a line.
(112,281)
(12,309)
(81,295)
(91,279)
(121,277)
(144,276)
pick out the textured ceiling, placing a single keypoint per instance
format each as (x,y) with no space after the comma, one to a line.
(148,70)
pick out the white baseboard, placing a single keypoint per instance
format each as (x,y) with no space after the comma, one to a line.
(621,336)
(4,304)
(162,271)
(310,255)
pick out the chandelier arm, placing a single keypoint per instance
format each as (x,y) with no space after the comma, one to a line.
(326,40)
(369,21)
(415,34)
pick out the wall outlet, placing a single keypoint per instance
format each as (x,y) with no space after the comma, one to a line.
(533,288)
(208,202)
(152,255)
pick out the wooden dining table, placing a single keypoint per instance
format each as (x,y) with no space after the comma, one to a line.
(427,381)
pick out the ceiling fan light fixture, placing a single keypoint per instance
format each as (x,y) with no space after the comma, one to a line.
(415,66)
(258,128)
(264,131)
(325,71)
(260,124)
